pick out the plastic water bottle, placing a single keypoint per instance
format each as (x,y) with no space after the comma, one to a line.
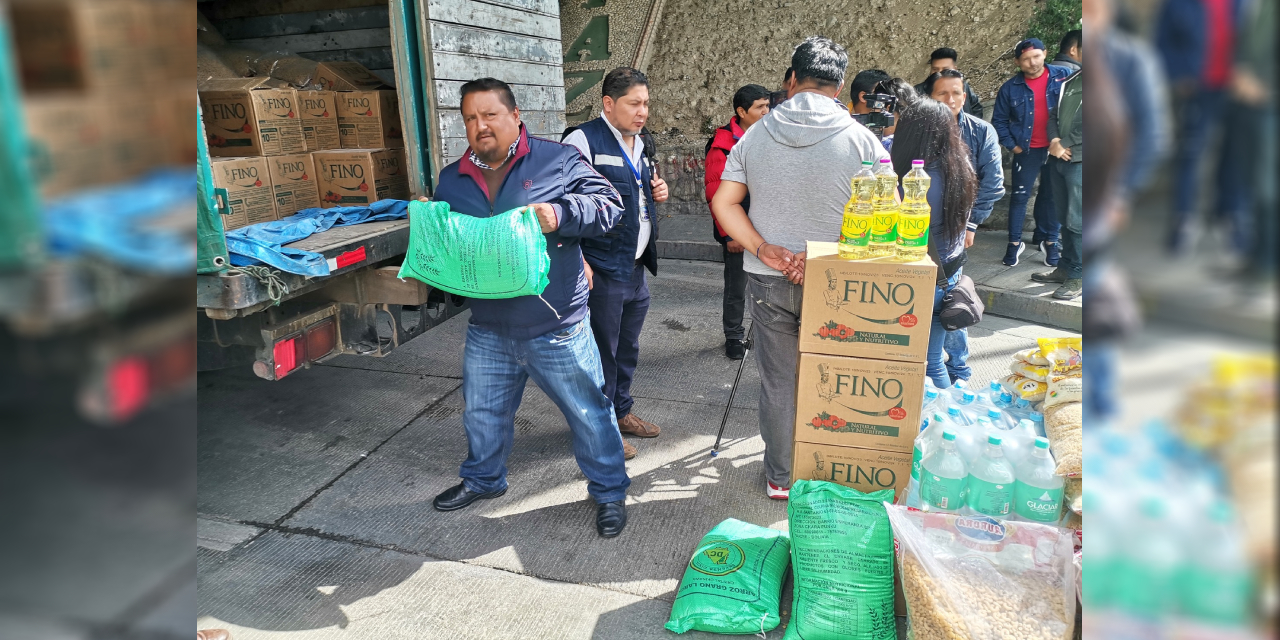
(994,388)
(968,437)
(1005,400)
(855,231)
(1000,419)
(884,220)
(914,215)
(1037,420)
(930,404)
(990,482)
(943,477)
(1037,490)
(955,415)
(925,443)
(1215,584)
(1018,442)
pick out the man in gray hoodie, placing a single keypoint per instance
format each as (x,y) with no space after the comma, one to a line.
(796,163)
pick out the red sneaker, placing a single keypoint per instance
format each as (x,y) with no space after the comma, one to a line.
(774,491)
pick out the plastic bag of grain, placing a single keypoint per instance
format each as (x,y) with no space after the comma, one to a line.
(978,578)
(1063,425)
(842,555)
(1066,359)
(733,582)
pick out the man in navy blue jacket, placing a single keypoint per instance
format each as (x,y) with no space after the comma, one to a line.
(1024,106)
(614,146)
(545,337)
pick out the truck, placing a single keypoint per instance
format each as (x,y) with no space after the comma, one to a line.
(281,323)
(124,337)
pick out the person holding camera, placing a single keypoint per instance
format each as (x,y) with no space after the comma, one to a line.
(796,164)
(948,87)
(1024,106)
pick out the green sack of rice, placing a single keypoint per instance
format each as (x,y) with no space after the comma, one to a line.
(733,583)
(502,256)
(842,555)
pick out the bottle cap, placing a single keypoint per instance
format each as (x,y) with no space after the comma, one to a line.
(993,440)
(1005,396)
(917,163)
(967,397)
(994,414)
(983,420)
(867,163)
(1037,416)
(995,386)
(930,393)
(1042,443)
(885,161)
(953,411)
(938,417)
(947,435)
(960,383)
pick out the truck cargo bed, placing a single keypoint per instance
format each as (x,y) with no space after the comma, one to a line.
(346,248)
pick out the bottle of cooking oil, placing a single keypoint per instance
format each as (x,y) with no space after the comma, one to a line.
(855,232)
(913,216)
(884,213)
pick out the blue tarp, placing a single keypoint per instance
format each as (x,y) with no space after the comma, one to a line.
(111,222)
(264,242)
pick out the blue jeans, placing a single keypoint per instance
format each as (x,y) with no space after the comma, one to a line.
(1068,193)
(956,344)
(1200,117)
(618,310)
(934,367)
(564,364)
(1027,166)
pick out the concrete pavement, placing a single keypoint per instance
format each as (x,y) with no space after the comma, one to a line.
(314,510)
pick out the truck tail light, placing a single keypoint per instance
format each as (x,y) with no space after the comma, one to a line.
(128,387)
(297,350)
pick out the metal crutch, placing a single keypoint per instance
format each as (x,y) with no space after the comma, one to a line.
(715,450)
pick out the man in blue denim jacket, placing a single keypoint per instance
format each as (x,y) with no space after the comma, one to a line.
(1021,118)
(548,337)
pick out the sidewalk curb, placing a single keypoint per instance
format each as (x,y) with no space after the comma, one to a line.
(1041,309)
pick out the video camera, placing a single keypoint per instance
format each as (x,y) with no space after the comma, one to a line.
(882,106)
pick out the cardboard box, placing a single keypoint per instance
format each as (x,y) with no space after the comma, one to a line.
(346,76)
(859,402)
(182,104)
(359,177)
(68,142)
(369,120)
(138,134)
(250,197)
(78,44)
(866,308)
(319,111)
(863,469)
(294,180)
(244,117)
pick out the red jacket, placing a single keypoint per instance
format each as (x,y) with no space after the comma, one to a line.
(717,156)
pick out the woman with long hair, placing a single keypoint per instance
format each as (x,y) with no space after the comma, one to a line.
(927,130)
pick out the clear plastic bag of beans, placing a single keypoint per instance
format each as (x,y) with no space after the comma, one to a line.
(978,578)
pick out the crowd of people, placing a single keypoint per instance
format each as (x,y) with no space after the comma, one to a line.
(777,177)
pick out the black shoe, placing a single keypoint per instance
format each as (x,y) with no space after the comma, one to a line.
(611,518)
(455,498)
(1057,276)
(735,349)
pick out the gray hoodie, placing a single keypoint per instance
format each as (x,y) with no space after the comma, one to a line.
(797,162)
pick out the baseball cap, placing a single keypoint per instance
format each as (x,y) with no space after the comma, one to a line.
(1029,43)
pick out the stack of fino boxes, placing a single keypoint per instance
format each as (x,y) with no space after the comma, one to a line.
(864,336)
(278,150)
(106,88)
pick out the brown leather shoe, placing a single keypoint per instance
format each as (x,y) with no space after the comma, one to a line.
(631,425)
(628,451)
(213,634)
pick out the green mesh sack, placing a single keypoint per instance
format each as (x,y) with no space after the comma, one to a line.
(733,583)
(842,550)
(503,256)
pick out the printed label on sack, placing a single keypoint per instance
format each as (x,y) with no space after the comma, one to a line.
(855,230)
(980,528)
(939,492)
(721,558)
(1036,503)
(990,498)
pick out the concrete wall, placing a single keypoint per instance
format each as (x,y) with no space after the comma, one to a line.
(706,49)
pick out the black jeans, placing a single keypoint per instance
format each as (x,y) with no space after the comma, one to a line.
(735,295)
